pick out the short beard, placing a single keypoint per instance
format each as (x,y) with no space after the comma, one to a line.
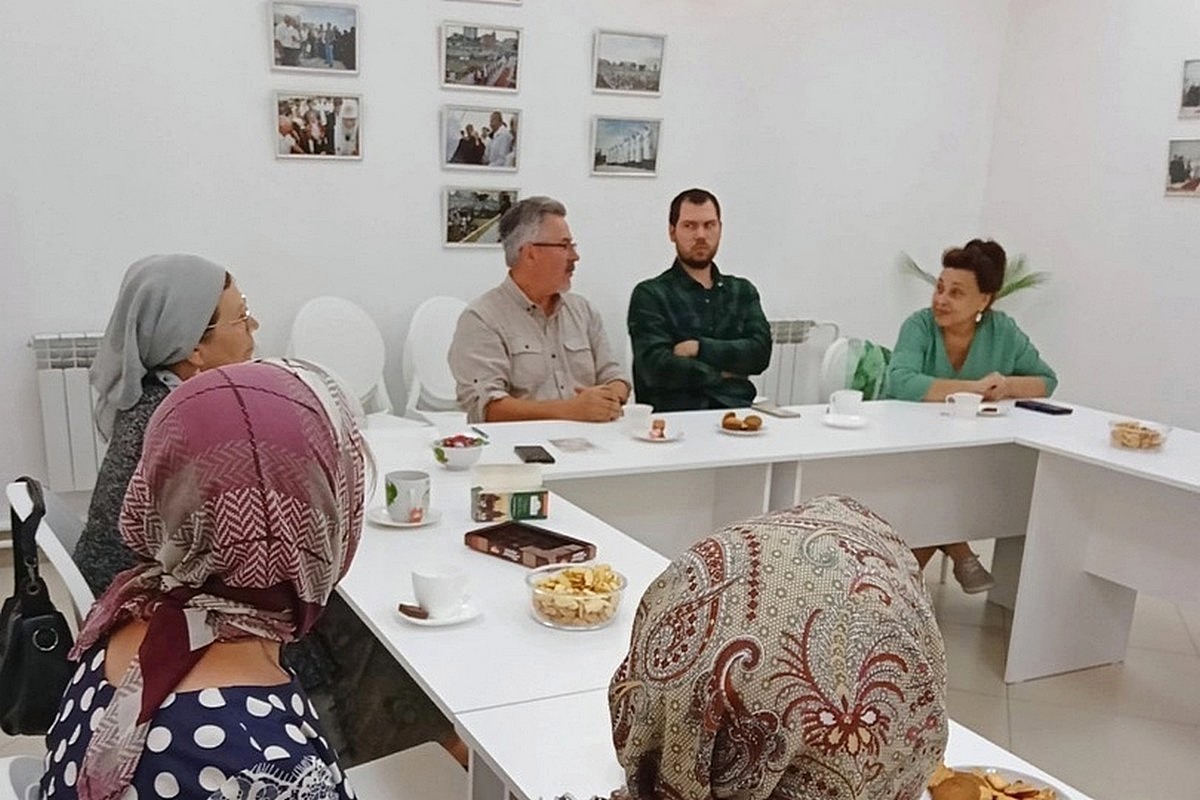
(691,263)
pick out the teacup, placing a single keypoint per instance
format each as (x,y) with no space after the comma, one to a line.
(846,402)
(407,493)
(964,404)
(637,418)
(440,589)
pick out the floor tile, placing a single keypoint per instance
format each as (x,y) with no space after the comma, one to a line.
(1150,684)
(1108,756)
(1190,611)
(1158,625)
(952,605)
(985,714)
(975,658)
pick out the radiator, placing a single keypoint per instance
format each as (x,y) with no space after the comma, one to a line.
(797,349)
(73,445)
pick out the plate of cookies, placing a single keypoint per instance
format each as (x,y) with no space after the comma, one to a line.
(1131,434)
(989,783)
(750,425)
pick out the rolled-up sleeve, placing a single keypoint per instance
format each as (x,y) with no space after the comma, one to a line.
(480,364)
(905,378)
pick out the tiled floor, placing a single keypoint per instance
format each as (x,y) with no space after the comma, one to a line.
(1123,732)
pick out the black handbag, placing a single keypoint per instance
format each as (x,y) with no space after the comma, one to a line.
(34,637)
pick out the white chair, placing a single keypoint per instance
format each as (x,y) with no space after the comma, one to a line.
(833,367)
(424,772)
(793,376)
(426,367)
(336,333)
(19,777)
(56,537)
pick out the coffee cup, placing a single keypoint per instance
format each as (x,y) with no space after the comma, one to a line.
(637,418)
(407,493)
(964,404)
(440,589)
(846,402)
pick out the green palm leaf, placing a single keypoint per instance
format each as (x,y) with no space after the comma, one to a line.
(1017,275)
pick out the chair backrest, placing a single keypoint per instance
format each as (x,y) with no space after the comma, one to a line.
(833,367)
(425,363)
(56,538)
(338,334)
(19,777)
(797,347)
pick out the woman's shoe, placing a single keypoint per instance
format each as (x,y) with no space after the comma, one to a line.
(972,576)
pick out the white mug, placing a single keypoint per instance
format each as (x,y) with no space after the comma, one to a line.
(846,402)
(637,418)
(964,404)
(440,589)
(407,494)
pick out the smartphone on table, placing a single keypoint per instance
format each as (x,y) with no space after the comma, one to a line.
(767,407)
(1043,407)
(533,454)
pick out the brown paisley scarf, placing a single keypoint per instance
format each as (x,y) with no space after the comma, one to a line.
(792,657)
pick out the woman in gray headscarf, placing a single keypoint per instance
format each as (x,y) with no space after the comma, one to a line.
(175,316)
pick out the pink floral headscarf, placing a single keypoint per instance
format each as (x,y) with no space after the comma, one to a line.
(246,508)
(789,657)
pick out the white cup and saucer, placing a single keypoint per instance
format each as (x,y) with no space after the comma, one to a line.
(407,494)
(845,409)
(440,590)
(964,405)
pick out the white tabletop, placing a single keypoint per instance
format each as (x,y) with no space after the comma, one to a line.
(503,656)
(582,760)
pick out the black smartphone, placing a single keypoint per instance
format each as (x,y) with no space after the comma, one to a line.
(533,454)
(1043,408)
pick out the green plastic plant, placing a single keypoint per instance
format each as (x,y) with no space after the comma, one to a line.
(1016,277)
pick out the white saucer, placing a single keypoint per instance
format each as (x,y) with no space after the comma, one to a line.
(844,420)
(466,612)
(645,437)
(762,429)
(379,516)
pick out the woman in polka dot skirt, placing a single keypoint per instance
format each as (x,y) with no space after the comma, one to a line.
(245,511)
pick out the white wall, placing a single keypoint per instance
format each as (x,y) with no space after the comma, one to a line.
(1089,99)
(835,133)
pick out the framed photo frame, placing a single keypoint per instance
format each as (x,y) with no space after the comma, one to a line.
(1183,168)
(625,146)
(480,137)
(499,2)
(480,57)
(1189,95)
(628,63)
(318,125)
(471,215)
(314,37)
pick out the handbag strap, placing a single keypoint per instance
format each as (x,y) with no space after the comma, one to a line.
(24,533)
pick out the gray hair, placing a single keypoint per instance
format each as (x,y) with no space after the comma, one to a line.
(521,224)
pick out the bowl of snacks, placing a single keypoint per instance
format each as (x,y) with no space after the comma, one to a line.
(1131,434)
(458,451)
(995,783)
(575,597)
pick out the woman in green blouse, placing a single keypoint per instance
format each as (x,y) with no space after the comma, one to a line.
(959,344)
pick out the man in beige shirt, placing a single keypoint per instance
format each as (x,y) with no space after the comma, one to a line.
(527,349)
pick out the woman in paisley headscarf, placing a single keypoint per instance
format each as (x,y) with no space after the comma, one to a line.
(791,656)
(244,512)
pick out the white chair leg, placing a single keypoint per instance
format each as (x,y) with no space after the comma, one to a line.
(945,568)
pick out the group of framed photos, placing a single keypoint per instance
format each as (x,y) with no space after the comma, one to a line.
(1183,155)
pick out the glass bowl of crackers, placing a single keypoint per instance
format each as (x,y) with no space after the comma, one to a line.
(1130,434)
(575,597)
(989,783)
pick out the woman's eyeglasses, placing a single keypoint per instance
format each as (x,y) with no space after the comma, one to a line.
(244,319)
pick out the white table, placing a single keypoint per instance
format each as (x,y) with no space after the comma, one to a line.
(583,763)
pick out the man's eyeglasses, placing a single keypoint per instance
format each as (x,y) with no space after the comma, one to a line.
(561,245)
(244,319)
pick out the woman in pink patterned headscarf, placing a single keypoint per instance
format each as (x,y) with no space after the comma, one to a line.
(789,657)
(245,509)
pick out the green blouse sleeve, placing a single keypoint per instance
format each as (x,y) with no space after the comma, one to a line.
(1028,362)
(906,377)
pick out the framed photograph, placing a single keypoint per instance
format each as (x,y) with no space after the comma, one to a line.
(625,146)
(318,125)
(480,137)
(628,63)
(500,2)
(314,37)
(480,57)
(1189,97)
(471,216)
(1183,167)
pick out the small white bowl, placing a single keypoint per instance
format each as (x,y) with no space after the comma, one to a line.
(459,451)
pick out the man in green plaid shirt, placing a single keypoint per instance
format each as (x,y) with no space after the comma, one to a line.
(697,333)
